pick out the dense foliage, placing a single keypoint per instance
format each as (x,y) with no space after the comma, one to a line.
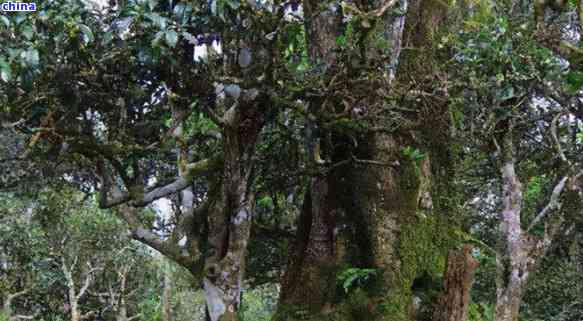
(292,160)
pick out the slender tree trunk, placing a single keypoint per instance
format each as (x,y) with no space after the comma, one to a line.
(518,252)
(74,294)
(122,314)
(74,305)
(121,305)
(7,307)
(166,297)
(511,263)
(578,255)
(230,217)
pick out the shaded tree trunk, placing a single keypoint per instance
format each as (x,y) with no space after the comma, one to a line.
(459,275)
(397,231)
(379,207)
(309,283)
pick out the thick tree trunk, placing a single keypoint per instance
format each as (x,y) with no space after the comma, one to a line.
(459,275)
(398,233)
(309,284)
(223,282)
(381,204)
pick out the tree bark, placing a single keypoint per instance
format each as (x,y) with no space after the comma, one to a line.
(459,275)
(230,218)
(74,294)
(378,208)
(309,282)
(512,272)
(578,257)
(167,296)
(308,285)
(518,252)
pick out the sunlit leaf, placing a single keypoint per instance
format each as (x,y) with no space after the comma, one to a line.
(87,34)
(31,57)
(158,20)
(5,70)
(5,21)
(27,32)
(507,93)
(157,38)
(171,38)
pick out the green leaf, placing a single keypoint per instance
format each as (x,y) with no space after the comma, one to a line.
(233,4)
(182,9)
(5,20)
(19,18)
(107,37)
(266,202)
(5,70)
(413,153)
(348,282)
(351,276)
(157,19)
(507,93)
(152,4)
(157,38)
(87,34)
(171,38)
(13,53)
(27,32)
(341,41)
(190,38)
(574,81)
(31,57)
